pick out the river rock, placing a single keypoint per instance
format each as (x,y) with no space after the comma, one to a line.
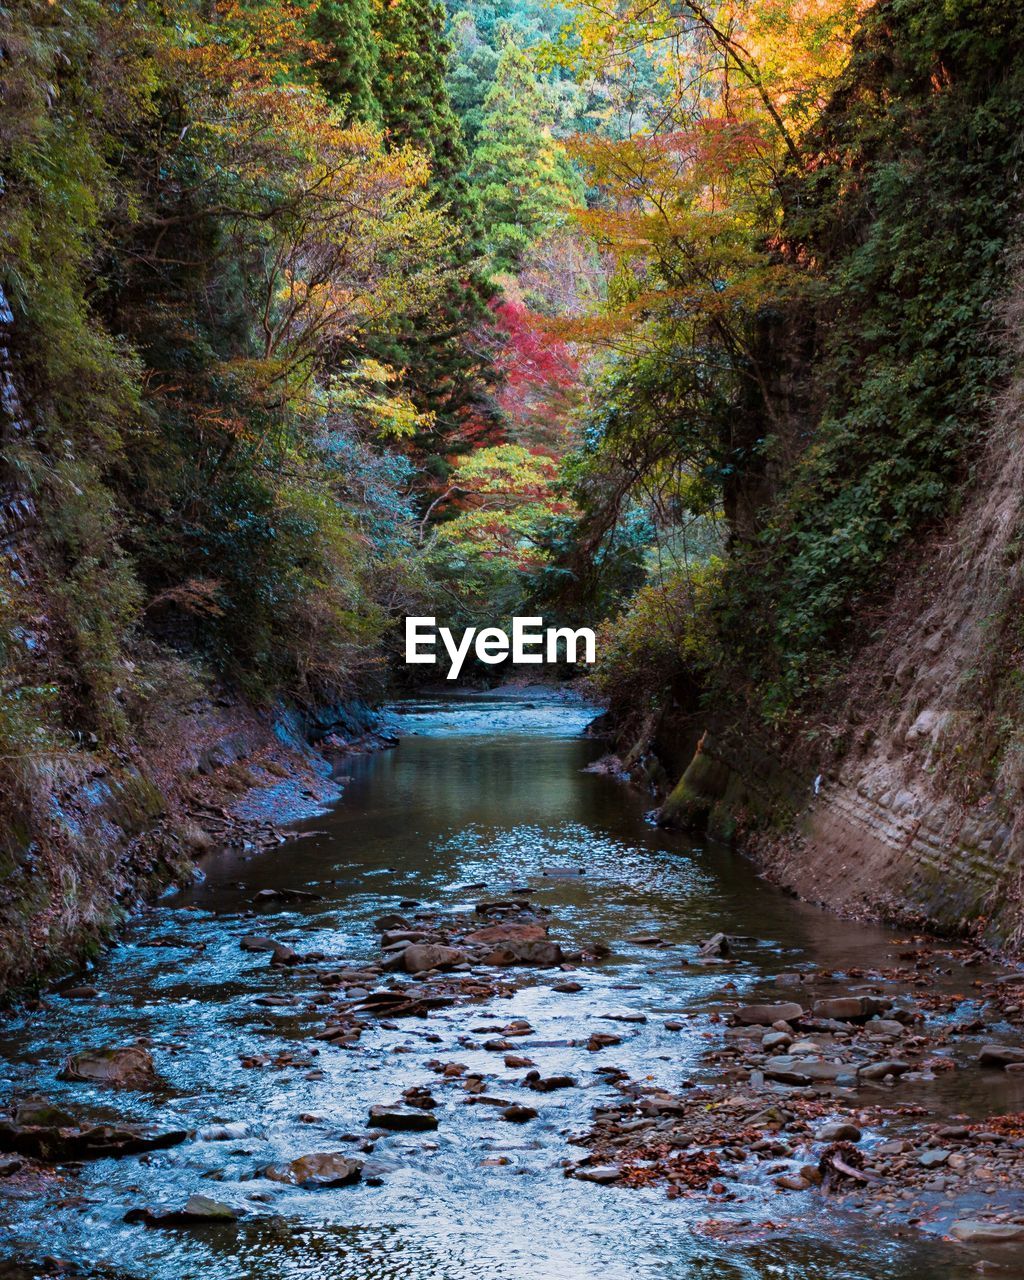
(766,1014)
(383,923)
(495,933)
(390,937)
(972,1231)
(519,1114)
(851,1008)
(40,1111)
(402,1118)
(54,1142)
(599,1173)
(602,1040)
(999,1055)
(322,1169)
(420,956)
(80,993)
(838,1131)
(545,1084)
(879,1070)
(130,1067)
(776,1040)
(803,1071)
(716,945)
(198,1209)
(542,954)
(284,895)
(257,942)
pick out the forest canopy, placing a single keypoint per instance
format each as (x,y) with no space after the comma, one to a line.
(325,313)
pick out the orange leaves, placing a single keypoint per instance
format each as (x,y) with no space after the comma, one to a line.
(689,208)
(330,230)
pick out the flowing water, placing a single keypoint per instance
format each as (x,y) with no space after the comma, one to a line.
(486,789)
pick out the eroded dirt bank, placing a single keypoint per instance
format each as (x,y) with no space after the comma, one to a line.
(114,831)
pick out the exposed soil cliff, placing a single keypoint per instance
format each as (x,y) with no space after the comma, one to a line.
(906,801)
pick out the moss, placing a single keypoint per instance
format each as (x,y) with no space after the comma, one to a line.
(702,785)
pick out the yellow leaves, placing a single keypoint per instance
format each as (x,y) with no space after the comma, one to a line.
(372,392)
(691,209)
(509,470)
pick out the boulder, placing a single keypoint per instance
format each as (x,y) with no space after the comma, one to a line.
(420,956)
(776,1040)
(257,942)
(392,936)
(130,1067)
(766,1014)
(519,1114)
(851,1008)
(838,1131)
(322,1169)
(197,1210)
(974,1231)
(543,954)
(384,923)
(879,1070)
(599,1173)
(55,1142)
(402,1118)
(999,1055)
(545,1084)
(494,933)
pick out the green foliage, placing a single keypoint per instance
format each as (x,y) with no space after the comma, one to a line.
(910,209)
(646,650)
(448,371)
(484,557)
(525,182)
(348,66)
(411,87)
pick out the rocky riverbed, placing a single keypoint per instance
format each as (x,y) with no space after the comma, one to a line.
(583,1040)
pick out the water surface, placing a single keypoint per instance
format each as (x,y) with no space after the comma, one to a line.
(482,790)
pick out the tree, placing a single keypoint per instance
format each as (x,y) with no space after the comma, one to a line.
(474,63)
(525,181)
(447,369)
(411,87)
(485,556)
(347,68)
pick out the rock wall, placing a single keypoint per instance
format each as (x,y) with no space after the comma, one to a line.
(907,801)
(87,836)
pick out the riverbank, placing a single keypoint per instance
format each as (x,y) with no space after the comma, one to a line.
(119,829)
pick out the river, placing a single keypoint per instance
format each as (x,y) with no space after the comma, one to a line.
(483,790)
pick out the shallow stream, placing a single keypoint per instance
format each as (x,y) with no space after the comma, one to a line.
(482,791)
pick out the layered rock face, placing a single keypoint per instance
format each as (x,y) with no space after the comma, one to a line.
(908,803)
